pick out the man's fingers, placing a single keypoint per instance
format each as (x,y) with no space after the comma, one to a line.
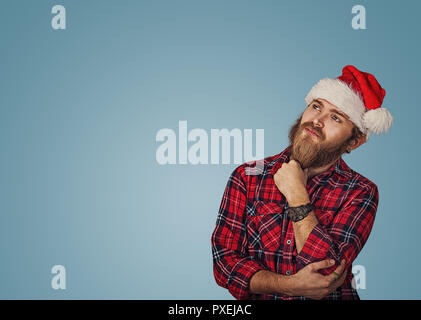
(322,264)
(338,273)
(337,283)
(340,269)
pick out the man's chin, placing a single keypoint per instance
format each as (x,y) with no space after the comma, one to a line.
(305,154)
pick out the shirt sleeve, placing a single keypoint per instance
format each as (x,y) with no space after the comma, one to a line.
(345,236)
(232,266)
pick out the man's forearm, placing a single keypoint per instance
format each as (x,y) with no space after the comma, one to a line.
(268,282)
(302,228)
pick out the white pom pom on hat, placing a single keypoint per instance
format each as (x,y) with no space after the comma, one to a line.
(359,95)
(378,120)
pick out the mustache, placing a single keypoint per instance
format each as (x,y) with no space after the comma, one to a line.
(313,128)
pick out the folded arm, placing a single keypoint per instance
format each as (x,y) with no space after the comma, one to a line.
(343,238)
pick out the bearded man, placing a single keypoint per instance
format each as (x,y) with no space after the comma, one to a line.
(293,231)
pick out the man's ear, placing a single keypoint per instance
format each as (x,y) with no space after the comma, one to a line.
(356,142)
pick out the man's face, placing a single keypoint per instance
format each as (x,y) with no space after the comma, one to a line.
(321,135)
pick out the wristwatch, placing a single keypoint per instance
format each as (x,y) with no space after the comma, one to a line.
(299,213)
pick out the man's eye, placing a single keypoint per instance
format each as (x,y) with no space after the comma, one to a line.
(336,118)
(315,106)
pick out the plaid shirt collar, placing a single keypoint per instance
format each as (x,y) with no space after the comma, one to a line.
(339,167)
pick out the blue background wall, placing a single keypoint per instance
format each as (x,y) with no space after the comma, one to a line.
(81,107)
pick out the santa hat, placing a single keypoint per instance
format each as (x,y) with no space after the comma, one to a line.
(358,95)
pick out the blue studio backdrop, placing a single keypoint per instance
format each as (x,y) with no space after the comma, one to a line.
(86,99)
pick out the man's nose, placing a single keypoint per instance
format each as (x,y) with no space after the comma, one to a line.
(318,122)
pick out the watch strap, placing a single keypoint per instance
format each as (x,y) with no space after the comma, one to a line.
(299,213)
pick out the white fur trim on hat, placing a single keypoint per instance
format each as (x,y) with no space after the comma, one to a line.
(344,98)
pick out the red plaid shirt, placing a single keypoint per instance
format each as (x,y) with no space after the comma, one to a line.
(254,233)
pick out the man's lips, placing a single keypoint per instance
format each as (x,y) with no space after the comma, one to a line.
(311,132)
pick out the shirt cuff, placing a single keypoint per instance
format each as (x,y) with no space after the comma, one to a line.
(239,280)
(318,246)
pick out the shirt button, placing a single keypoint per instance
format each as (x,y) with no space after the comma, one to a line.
(288,273)
(288,241)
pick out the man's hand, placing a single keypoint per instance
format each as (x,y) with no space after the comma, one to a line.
(291,181)
(308,282)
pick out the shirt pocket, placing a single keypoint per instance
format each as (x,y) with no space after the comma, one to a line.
(264,225)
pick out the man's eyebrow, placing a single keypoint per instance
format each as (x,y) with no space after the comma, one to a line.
(332,110)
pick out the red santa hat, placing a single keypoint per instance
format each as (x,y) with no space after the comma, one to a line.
(358,95)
